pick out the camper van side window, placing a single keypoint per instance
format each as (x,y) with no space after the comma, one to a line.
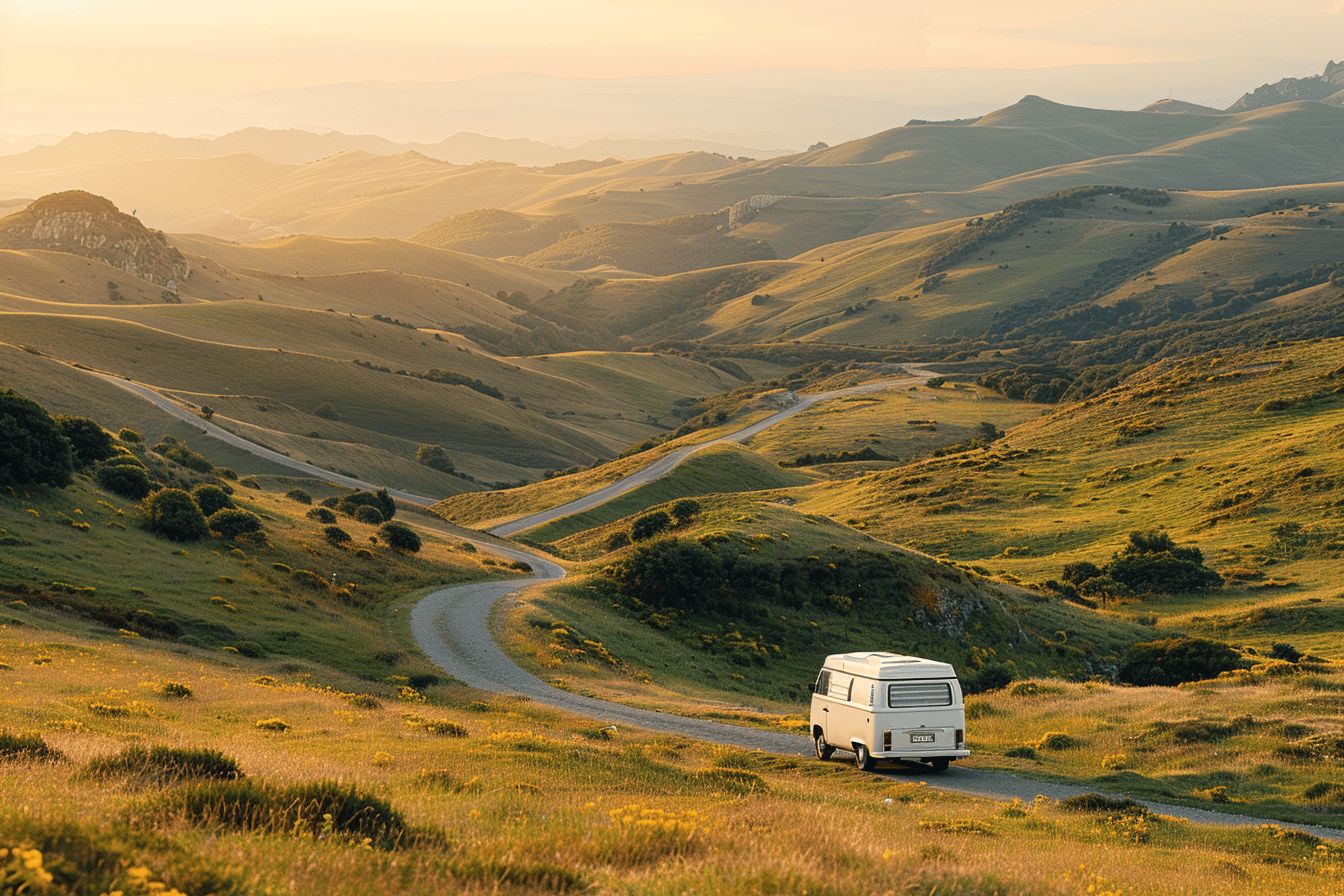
(842,686)
(823,685)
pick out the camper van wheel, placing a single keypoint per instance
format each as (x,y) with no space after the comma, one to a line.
(938,765)
(824,750)
(863,760)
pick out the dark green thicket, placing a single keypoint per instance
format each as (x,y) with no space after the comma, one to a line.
(380,501)
(400,537)
(1173,661)
(89,442)
(32,449)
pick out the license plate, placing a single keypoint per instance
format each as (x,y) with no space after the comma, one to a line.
(921,738)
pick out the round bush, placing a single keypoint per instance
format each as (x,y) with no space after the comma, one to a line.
(1173,661)
(234,523)
(685,510)
(171,513)
(89,442)
(337,535)
(400,537)
(649,525)
(124,480)
(32,449)
(366,514)
(211,499)
(129,436)
(322,515)
(298,494)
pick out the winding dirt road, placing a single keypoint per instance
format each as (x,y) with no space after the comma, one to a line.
(452,625)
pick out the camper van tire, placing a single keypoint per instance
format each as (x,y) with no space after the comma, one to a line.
(939,765)
(863,760)
(824,750)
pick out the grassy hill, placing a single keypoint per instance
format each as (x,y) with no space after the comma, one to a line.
(669,246)
(206,715)
(794,586)
(1231,452)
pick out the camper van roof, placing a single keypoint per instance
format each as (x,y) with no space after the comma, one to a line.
(884,666)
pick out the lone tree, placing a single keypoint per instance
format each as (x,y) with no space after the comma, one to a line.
(400,537)
(32,449)
(172,513)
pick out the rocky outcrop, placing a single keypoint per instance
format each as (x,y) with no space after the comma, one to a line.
(1325,87)
(84,224)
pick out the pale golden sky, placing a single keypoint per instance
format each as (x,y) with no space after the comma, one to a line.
(142,48)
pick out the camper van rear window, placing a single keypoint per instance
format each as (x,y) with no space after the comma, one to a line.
(909,694)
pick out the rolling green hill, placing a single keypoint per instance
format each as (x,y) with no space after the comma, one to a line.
(1233,452)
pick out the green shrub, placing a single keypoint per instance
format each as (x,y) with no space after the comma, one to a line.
(171,513)
(32,449)
(1100,802)
(1020,752)
(369,515)
(1057,740)
(1173,661)
(685,510)
(182,454)
(89,442)
(235,523)
(129,436)
(298,494)
(649,525)
(211,499)
(400,537)
(1153,563)
(176,690)
(166,765)
(434,457)
(322,515)
(318,809)
(990,677)
(618,540)
(1077,573)
(379,500)
(27,747)
(337,535)
(124,480)
(671,573)
(1281,650)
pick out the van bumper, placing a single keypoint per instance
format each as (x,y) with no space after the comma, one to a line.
(922,755)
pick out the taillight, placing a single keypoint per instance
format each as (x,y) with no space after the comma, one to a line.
(961,737)
(886,741)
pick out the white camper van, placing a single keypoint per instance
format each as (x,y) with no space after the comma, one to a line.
(888,706)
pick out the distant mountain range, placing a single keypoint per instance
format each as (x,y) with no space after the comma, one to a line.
(293,146)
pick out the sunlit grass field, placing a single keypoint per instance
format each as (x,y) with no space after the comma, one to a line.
(522,799)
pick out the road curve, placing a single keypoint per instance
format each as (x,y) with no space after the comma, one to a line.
(452,627)
(670,461)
